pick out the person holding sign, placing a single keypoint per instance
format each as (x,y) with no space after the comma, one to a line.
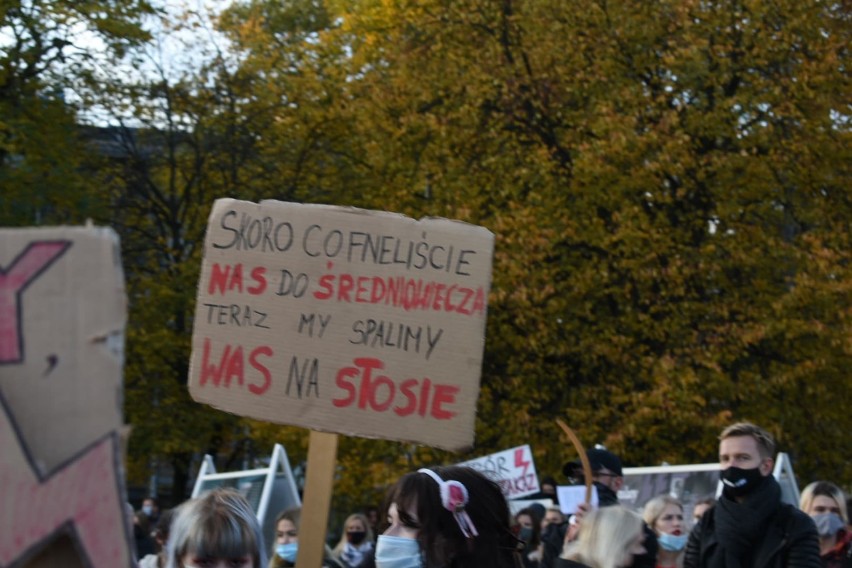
(607,478)
(217,530)
(450,517)
(611,538)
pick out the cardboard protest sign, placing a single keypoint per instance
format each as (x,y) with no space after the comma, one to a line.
(342,320)
(62,317)
(513,469)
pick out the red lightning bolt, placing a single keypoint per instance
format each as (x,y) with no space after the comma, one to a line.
(520,461)
(14,279)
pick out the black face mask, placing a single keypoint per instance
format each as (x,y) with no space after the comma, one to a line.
(738,482)
(356,537)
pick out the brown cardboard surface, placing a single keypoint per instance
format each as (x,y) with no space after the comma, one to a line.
(343,320)
(66,305)
(62,317)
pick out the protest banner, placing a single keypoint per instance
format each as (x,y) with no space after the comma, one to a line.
(342,320)
(687,483)
(691,483)
(513,469)
(62,317)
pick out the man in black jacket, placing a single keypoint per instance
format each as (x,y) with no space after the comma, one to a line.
(750,527)
(607,477)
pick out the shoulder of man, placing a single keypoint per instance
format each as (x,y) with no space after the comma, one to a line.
(701,531)
(800,535)
(707,522)
(794,521)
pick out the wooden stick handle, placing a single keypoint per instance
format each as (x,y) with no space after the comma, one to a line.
(584,459)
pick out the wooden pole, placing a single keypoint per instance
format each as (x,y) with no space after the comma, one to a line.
(322,459)
(584,459)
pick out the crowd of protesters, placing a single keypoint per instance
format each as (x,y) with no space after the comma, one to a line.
(455,517)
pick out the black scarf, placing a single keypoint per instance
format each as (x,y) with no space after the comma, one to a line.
(740,526)
(606,496)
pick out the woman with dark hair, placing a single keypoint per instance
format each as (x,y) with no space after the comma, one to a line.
(702,506)
(449,517)
(529,531)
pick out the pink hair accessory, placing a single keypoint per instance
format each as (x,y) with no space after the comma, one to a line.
(454,497)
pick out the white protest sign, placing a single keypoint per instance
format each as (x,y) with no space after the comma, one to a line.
(342,320)
(513,469)
(570,497)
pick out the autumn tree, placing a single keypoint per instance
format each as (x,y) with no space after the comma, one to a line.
(174,154)
(667,185)
(190,129)
(667,182)
(46,48)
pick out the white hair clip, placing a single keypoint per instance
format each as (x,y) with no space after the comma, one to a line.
(454,497)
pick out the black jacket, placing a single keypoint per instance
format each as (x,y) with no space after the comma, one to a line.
(789,540)
(563,563)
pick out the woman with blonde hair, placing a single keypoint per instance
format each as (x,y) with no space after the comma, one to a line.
(664,514)
(609,538)
(826,505)
(355,549)
(217,530)
(285,548)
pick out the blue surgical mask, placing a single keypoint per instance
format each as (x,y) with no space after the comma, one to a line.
(828,524)
(287,551)
(398,552)
(672,542)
